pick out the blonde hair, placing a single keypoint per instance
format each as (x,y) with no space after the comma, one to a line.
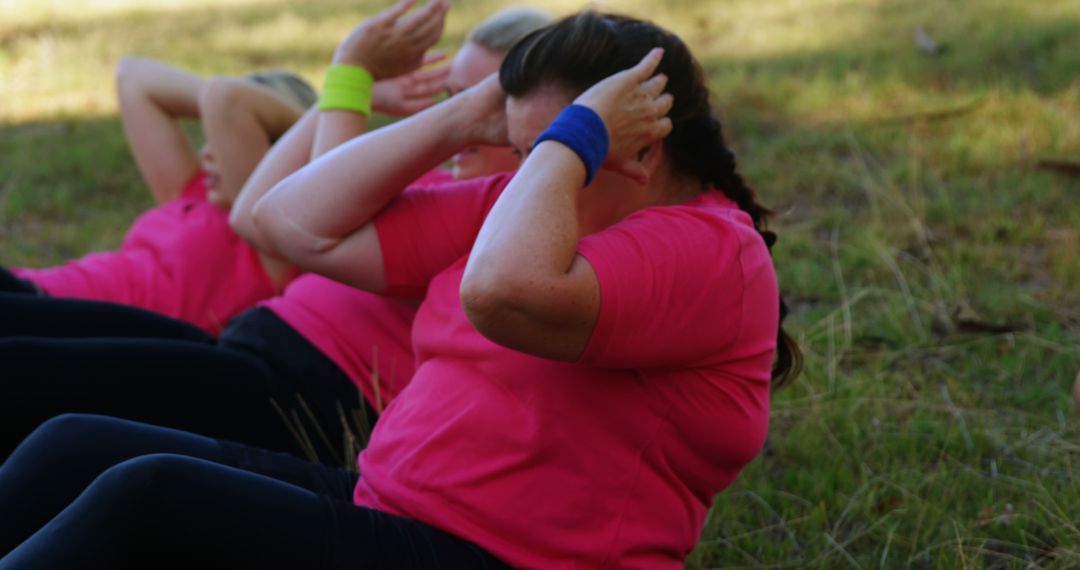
(287,85)
(500,32)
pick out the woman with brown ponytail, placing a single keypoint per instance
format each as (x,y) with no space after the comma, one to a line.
(596,347)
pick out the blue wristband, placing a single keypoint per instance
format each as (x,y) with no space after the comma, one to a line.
(582,131)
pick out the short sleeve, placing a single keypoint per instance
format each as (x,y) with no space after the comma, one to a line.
(676,284)
(430,226)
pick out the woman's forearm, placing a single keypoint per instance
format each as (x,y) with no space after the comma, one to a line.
(312,211)
(152,97)
(335,128)
(315,208)
(289,154)
(524,286)
(531,233)
(240,119)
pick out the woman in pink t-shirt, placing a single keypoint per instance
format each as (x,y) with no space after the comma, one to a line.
(346,353)
(175,257)
(596,346)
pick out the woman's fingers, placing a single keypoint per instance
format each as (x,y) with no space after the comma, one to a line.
(662,128)
(428,32)
(655,85)
(662,105)
(391,14)
(433,75)
(648,64)
(423,28)
(634,108)
(434,57)
(417,23)
(428,83)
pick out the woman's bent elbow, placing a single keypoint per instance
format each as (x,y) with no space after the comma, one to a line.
(263,225)
(486,300)
(286,238)
(242,224)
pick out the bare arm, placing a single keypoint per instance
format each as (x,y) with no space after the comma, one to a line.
(388,45)
(152,97)
(329,231)
(376,44)
(289,154)
(240,118)
(525,286)
(399,95)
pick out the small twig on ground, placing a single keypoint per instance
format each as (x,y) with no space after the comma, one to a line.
(838,273)
(1066,167)
(968,443)
(929,116)
(318,428)
(840,548)
(783,524)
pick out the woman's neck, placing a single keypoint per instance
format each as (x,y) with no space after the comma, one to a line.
(671,187)
(614,197)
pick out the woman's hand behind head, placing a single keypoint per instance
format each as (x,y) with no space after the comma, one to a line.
(634,108)
(482,112)
(411,93)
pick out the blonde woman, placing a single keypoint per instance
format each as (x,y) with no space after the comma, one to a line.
(328,356)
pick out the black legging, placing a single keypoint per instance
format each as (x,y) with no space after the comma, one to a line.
(23,314)
(97,492)
(10,283)
(262,384)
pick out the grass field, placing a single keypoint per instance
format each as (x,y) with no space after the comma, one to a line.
(928,245)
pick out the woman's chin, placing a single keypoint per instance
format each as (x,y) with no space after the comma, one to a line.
(218,198)
(464,170)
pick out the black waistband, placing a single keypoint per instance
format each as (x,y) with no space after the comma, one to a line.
(299,366)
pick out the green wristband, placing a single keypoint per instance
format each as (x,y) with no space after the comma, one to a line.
(347,88)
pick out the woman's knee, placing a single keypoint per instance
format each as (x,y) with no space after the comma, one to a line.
(135,482)
(66,436)
(91,442)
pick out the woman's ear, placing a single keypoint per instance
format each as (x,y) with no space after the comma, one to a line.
(641,168)
(649,158)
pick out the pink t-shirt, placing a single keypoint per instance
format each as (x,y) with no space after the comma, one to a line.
(366,335)
(180,259)
(609,462)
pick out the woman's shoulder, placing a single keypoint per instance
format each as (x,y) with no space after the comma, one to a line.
(710,217)
(714,206)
